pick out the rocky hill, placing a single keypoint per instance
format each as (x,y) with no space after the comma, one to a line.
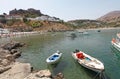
(31,20)
(112,19)
(87,24)
(113,16)
(26,13)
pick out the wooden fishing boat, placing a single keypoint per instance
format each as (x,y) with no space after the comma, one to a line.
(88,61)
(54,58)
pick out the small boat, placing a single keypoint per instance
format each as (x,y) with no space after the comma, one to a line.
(88,61)
(72,34)
(54,58)
(99,30)
(85,33)
(116,42)
(79,31)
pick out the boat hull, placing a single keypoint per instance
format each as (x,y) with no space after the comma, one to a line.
(115,45)
(91,67)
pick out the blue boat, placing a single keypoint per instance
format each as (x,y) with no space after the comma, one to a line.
(54,58)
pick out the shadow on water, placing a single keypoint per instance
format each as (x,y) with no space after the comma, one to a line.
(73,36)
(57,68)
(115,52)
(92,74)
(96,75)
(101,75)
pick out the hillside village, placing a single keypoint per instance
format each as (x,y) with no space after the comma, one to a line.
(30,14)
(29,20)
(33,20)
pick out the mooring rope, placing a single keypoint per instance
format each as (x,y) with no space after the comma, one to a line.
(101,75)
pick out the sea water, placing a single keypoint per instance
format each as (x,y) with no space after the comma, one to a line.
(96,44)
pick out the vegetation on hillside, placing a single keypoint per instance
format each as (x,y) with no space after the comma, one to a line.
(30,20)
(47,23)
(87,24)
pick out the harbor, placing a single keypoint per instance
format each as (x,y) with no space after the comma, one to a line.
(96,44)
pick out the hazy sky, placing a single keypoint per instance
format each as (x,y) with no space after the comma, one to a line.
(64,9)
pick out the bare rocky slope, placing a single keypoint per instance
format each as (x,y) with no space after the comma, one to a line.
(113,16)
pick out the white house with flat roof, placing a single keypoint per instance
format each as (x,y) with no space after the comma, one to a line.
(4,31)
(45,18)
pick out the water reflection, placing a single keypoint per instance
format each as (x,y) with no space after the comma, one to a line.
(73,36)
(90,73)
(58,67)
(115,52)
(41,46)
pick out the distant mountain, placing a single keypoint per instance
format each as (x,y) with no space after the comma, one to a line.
(113,16)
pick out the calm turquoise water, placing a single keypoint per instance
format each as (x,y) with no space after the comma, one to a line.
(96,44)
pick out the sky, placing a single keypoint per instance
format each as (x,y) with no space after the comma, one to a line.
(64,9)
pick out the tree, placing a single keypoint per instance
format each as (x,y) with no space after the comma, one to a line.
(3,21)
(25,20)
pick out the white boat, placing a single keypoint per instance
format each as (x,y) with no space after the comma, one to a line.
(85,33)
(88,61)
(54,58)
(116,41)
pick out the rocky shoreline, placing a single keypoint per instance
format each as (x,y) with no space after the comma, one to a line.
(11,69)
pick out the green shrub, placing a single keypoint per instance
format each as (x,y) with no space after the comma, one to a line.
(35,24)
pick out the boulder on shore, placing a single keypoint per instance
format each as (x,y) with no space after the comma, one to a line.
(59,76)
(8,54)
(17,71)
(12,45)
(10,69)
(42,74)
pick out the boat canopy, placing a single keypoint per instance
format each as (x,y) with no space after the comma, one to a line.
(80,55)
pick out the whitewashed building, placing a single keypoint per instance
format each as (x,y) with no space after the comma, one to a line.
(45,18)
(4,31)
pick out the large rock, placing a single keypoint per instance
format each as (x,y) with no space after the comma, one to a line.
(10,57)
(59,76)
(42,74)
(3,53)
(17,54)
(12,45)
(9,52)
(5,62)
(13,51)
(18,71)
(3,69)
